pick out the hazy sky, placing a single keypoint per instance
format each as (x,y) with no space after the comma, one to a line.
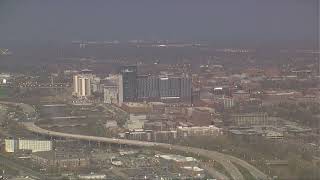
(248,21)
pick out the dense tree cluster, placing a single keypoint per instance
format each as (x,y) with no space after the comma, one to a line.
(304,113)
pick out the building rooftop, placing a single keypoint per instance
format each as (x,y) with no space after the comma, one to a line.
(53,155)
(208,109)
(157,103)
(198,127)
(134,104)
(176,158)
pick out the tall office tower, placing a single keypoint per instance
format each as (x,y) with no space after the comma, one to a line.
(82,85)
(112,90)
(129,83)
(95,83)
(148,87)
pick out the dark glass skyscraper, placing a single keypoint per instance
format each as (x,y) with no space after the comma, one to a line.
(129,82)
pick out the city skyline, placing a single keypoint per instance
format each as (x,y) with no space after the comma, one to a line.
(181,89)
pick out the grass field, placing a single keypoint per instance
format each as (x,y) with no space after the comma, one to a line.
(3,93)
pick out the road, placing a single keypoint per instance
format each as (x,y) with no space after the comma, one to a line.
(218,157)
(212,171)
(225,160)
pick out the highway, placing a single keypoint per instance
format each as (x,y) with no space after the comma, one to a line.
(225,160)
(54,105)
(212,171)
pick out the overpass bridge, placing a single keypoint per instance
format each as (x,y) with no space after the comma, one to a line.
(54,105)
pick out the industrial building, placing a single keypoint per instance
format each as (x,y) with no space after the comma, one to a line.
(135,121)
(63,160)
(139,135)
(154,136)
(198,131)
(164,136)
(250,119)
(92,176)
(13,145)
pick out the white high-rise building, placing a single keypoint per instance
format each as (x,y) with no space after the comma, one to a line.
(82,85)
(113,90)
(111,95)
(120,90)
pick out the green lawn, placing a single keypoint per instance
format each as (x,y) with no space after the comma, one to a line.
(3,93)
